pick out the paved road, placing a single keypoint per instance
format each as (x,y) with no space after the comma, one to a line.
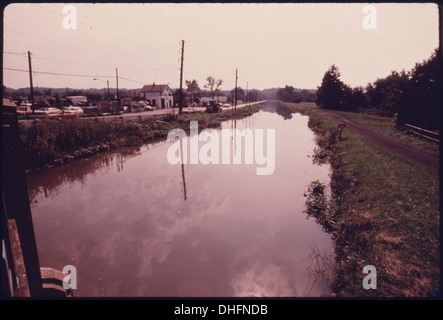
(395,147)
(143,115)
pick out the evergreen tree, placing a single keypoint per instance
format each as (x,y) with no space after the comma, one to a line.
(331,93)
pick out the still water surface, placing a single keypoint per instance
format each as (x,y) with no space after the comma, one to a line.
(134,225)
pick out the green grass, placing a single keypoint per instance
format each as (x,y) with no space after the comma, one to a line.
(387,127)
(381,124)
(384,212)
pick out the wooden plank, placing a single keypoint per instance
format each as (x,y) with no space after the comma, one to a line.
(421,129)
(424,136)
(22,288)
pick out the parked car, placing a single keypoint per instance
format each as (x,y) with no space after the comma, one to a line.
(63,115)
(213,108)
(47,110)
(22,110)
(73,109)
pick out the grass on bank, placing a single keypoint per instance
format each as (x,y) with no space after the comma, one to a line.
(387,127)
(51,142)
(384,212)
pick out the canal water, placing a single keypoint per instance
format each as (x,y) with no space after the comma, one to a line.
(134,225)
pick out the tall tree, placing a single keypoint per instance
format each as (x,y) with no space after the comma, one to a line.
(213,85)
(286,94)
(422,97)
(331,92)
(193,90)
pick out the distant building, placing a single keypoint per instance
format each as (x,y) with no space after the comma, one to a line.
(8,103)
(76,100)
(219,99)
(157,95)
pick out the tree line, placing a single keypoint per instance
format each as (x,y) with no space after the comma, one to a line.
(412,97)
(291,94)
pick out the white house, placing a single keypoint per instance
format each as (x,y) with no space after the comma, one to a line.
(157,95)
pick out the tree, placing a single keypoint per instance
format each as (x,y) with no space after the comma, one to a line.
(385,94)
(422,97)
(93,97)
(331,93)
(213,85)
(359,100)
(240,94)
(286,94)
(193,90)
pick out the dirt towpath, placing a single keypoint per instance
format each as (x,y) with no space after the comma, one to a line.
(395,147)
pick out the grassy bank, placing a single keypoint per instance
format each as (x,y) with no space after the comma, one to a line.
(53,142)
(387,127)
(384,211)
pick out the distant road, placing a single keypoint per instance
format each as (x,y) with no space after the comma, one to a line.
(145,114)
(393,146)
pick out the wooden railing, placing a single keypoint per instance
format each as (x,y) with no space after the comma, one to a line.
(429,135)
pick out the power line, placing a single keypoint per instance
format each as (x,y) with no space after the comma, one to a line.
(138,25)
(15,53)
(138,65)
(110,33)
(74,75)
(60,74)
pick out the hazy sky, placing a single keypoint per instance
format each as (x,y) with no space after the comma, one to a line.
(272,45)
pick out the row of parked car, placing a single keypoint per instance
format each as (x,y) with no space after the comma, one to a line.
(49,112)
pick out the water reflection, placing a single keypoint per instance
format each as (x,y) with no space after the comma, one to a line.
(48,181)
(279,109)
(129,232)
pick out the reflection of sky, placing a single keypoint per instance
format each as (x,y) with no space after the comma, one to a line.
(130,233)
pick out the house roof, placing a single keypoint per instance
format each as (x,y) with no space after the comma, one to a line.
(8,103)
(154,87)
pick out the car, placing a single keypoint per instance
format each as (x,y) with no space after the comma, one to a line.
(48,110)
(149,108)
(63,115)
(23,109)
(73,109)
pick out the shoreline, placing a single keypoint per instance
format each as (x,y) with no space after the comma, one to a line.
(384,212)
(49,143)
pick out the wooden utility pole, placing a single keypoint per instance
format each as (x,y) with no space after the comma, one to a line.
(247,97)
(30,80)
(235,98)
(180,106)
(118,99)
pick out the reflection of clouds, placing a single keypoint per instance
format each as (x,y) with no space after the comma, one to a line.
(262,281)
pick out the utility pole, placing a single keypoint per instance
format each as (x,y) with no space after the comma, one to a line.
(107,82)
(118,99)
(180,106)
(247,94)
(235,98)
(30,80)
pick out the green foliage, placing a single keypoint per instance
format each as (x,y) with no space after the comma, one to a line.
(331,93)
(422,96)
(290,94)
(412,97)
